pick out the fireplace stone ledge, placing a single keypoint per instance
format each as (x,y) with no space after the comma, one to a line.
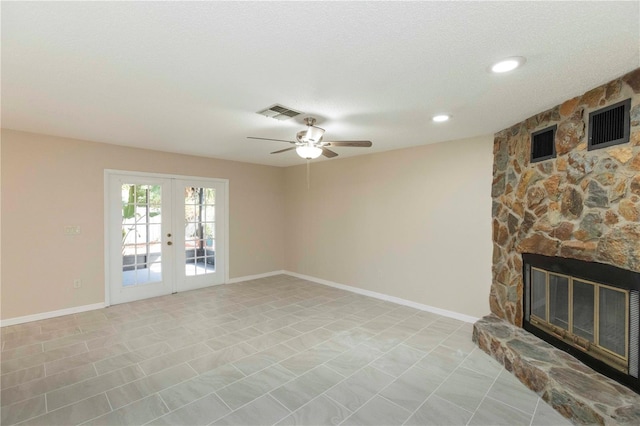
(576,391)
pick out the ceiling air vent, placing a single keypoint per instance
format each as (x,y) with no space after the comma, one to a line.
(609,126)
(279,112)
(543,144)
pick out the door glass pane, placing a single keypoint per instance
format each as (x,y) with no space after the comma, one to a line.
(612,321)
(539,294)
(141,234)
(583,300)
(210,196)
(199,217)
(210,213)
(559,300)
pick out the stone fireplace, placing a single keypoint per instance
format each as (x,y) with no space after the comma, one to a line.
(580,204)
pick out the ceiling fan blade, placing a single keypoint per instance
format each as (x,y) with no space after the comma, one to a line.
(267,139)
(328,153)
(283,150)
(364,144)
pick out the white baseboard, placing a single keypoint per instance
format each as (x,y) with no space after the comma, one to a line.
(254,277)
(381,296)
(386,297)
(51,314)
(85,308)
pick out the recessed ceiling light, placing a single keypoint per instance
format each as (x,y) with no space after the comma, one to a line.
(508,64)
(440,118)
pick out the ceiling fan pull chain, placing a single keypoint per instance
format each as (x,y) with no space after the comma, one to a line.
(308,174)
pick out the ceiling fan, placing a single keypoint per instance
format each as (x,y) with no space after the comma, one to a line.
(309,143)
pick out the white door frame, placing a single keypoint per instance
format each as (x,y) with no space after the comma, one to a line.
(107,239)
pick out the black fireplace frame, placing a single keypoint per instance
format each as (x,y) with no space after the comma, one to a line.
(591,271)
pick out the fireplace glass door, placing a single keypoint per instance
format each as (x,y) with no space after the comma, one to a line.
(584,300)
(559,301)
(590,316)
(612,320)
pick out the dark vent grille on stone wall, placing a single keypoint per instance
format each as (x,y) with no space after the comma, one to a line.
(609,126)
(543,144)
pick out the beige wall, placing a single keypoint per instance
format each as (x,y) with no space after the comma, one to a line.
(49,182)
(412,223)
(398,223)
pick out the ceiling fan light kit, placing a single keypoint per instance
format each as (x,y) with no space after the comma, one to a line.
(309,152)
(309,143)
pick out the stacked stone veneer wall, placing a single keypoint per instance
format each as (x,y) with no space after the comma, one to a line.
(582,204)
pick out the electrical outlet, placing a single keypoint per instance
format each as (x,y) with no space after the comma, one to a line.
(77,283)
(72,230)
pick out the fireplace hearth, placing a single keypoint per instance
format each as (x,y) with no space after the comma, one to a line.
(576,391)
(587,309)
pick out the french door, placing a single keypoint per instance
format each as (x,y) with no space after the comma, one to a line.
(164,234)
(199,233)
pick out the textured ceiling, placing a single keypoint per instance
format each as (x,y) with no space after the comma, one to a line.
(188,77)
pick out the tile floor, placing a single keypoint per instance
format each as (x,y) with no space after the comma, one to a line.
(276,350)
